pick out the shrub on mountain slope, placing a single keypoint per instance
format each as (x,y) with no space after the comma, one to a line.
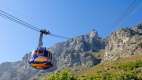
(61,75)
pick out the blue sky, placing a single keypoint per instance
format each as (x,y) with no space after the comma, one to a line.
(64,17)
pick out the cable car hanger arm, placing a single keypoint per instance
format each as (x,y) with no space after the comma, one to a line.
(42,32)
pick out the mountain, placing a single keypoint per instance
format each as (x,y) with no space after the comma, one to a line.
(121,60)
(74,52)
(77,51)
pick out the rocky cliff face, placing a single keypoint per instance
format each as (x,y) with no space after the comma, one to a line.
(124,42)
(73,52)
(77,51)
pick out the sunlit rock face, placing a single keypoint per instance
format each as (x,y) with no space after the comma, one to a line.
(124,42)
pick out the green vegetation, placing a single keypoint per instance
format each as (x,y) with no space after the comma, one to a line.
(123,69)
(65,74)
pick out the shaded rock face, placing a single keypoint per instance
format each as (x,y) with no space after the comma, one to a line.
(73,52)
(124,42)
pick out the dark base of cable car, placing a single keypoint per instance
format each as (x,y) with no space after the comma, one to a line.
(41,66)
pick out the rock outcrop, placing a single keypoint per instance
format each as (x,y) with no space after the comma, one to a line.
(124,42)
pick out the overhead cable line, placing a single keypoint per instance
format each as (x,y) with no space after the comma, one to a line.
(25,24)
(14,19)
(59,36)
(129,10)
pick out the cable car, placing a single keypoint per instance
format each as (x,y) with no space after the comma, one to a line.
(41,58)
